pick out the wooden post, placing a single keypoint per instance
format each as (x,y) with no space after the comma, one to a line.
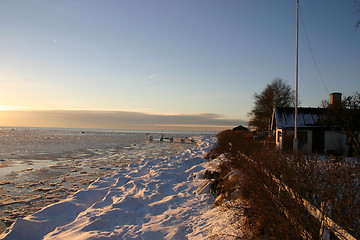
(324,231)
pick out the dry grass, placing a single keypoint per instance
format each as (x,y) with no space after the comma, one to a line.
(271,210)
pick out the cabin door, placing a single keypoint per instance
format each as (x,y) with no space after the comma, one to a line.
(318,141)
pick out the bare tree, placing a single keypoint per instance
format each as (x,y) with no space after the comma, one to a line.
(277,93)
(357,11)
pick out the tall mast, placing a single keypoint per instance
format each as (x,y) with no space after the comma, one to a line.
(295,142)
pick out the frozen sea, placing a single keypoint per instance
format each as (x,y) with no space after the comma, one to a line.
(39,167)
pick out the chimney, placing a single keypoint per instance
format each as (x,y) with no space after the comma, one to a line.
(335,98)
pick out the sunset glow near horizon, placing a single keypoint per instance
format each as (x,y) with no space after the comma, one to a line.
(166,64)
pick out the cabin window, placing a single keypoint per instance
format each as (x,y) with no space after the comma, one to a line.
(279,133)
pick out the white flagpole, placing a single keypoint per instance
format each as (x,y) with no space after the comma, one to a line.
(295,142)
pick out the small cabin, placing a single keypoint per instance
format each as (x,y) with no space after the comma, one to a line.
(312,136)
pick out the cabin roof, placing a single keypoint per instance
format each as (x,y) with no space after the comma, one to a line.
(284,117)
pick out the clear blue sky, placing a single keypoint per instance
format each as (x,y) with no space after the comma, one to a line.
(171,57)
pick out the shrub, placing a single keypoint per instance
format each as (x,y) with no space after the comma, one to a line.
(271,210)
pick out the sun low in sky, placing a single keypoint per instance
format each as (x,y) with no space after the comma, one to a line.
(167,64)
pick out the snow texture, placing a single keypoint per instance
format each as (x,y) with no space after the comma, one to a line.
(154,199)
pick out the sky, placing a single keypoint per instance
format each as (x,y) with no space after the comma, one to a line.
(167,64)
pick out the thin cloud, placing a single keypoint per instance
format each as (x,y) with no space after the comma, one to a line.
(117,120)
(152,76)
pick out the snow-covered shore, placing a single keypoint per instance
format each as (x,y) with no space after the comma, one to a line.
(154,199)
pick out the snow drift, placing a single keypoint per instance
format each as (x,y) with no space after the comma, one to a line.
(154,199)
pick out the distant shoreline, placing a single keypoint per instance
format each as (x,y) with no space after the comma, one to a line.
(108,130)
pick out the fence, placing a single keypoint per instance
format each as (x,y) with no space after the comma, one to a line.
(327,224)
